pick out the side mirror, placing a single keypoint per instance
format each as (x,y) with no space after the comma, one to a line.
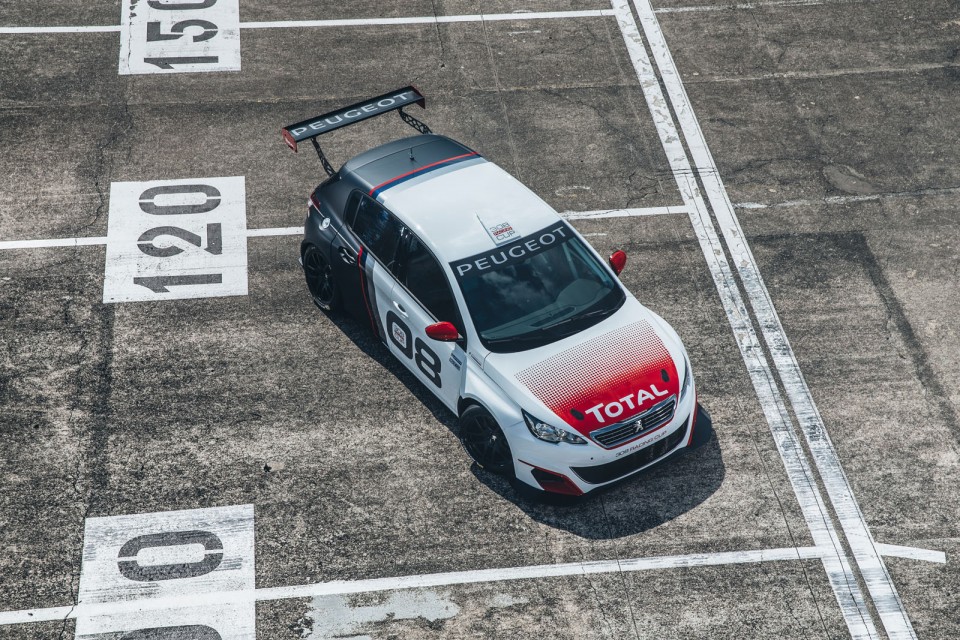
(443,332)
(618,260)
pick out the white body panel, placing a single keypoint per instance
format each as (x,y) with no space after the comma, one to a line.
(452,211)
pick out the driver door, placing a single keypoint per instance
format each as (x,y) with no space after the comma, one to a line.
(366,259)
(423,297)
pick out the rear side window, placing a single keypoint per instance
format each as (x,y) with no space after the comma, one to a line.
(378,230)
(425,279)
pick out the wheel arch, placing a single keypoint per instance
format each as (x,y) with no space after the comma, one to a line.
(465,403)
(480,390)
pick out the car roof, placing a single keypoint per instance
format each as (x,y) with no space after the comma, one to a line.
(452,197)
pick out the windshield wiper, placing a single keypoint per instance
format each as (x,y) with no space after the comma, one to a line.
(524,337)
(583,316)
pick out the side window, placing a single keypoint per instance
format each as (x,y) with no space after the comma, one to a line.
(425,279)
(378,229)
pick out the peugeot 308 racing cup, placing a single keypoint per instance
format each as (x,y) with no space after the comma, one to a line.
(560,377)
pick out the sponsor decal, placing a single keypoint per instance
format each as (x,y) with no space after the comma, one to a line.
(513,253)
(605,380)
(455,361)
(345,117)
(501,232)
(399,336)
(660,435)
(632,401)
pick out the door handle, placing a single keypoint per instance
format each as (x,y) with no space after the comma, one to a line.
(400,308)
(347,255)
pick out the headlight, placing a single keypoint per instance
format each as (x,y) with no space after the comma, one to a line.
(687,378)
(549,433)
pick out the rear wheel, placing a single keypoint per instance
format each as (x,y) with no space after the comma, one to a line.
(484,441)
(320,282)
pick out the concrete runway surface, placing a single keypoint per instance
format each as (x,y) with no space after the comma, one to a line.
(784,175)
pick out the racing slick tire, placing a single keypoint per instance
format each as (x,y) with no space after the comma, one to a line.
(320,281)
(484,441)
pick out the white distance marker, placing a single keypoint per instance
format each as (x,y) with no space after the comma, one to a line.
(175,556)
(171,239)
(179,36)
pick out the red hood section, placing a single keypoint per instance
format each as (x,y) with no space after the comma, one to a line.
(607,379)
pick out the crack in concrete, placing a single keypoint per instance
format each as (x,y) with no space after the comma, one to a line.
(100,173)
(511,139)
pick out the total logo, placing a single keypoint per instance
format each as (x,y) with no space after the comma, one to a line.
(615,409)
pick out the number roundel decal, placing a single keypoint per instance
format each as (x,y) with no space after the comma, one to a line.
(399,334)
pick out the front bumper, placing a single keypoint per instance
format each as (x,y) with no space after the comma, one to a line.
(579,469)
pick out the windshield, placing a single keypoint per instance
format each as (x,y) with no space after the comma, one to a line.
(536,290)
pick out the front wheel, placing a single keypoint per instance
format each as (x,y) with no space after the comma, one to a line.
(320,282)
(484,441)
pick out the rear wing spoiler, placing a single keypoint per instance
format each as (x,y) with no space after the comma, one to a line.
(358,112)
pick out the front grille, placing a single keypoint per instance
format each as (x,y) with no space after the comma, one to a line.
(634,428)
(618,468)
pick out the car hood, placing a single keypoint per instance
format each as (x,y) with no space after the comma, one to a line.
(606,374)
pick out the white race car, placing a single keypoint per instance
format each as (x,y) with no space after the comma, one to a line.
(560,377)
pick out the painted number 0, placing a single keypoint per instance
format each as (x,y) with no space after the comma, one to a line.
(131,569)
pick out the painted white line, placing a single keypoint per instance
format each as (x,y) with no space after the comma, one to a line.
(296,231)
(492,17)
(911,553)
(415,582)
(32,30)
(892,614)
(839,572)
(623,213)
(55,242)
(26,616)
(813,202)
(277,231)
(740,6)
(366,22)
(545,571)
(350,22)
(833,73)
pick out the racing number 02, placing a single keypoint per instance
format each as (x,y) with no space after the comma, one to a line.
(425,358)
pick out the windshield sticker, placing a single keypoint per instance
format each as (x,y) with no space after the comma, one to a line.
(513,253)
(501,232)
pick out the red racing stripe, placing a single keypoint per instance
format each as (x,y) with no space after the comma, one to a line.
(363,290)
(433,165)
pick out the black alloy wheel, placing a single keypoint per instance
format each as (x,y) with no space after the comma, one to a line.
(320,282)
(484,441)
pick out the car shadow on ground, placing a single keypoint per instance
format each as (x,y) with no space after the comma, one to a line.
(362,336)
(638,503)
